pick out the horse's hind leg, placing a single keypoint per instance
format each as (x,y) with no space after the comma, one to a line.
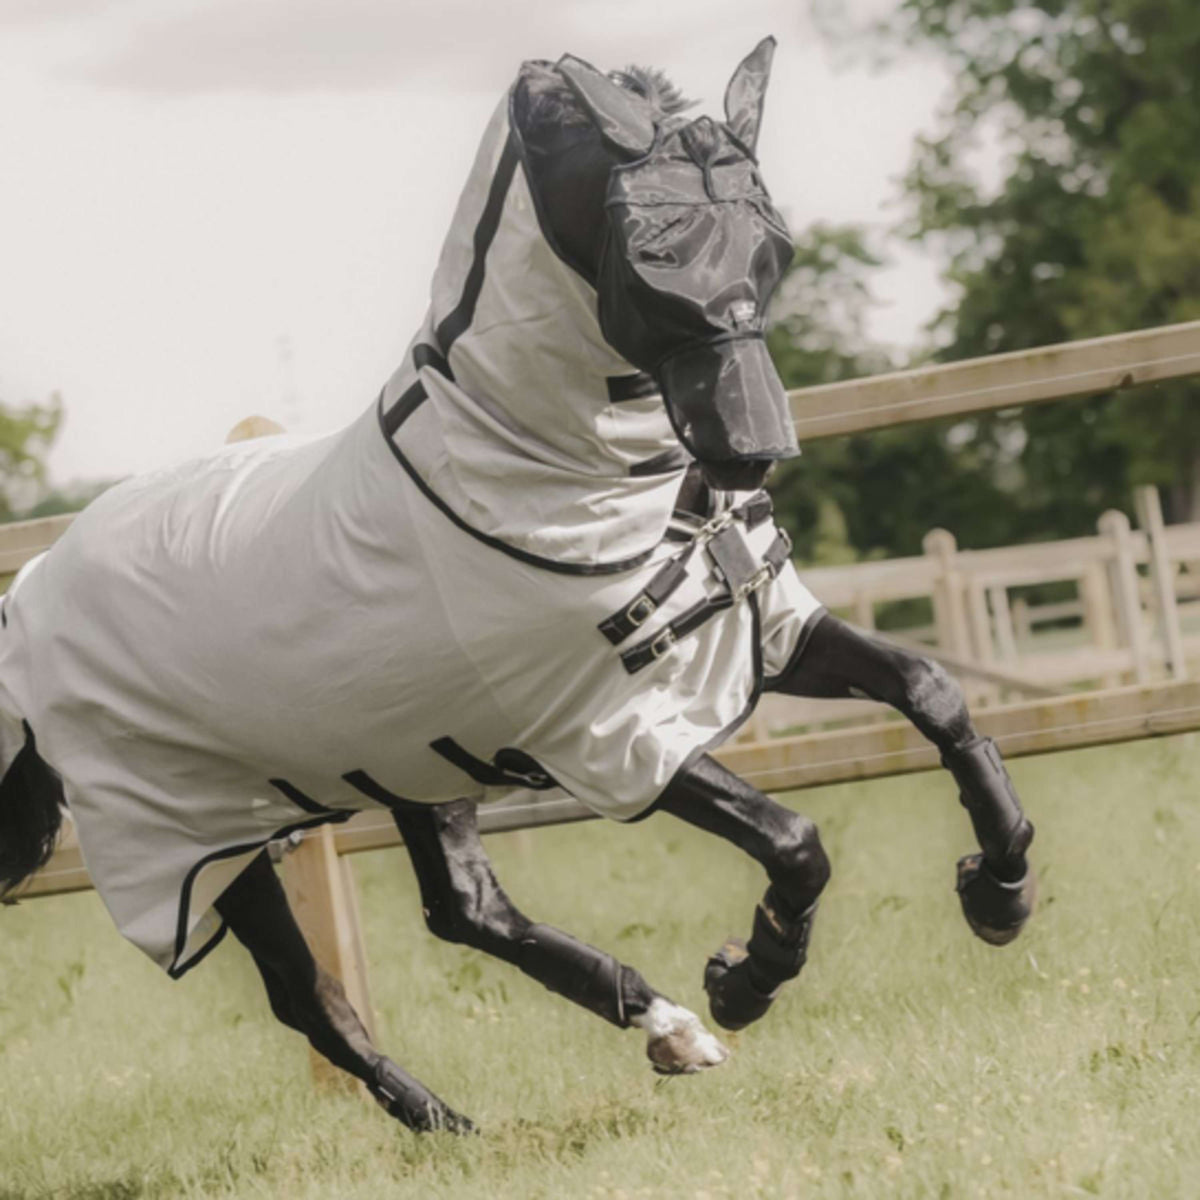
(308,999)
(464,903)
(743,978)
(996,886)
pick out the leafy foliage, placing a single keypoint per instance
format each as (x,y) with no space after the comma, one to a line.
(1092,228)
(1095,228)
(872,494)
(26,434)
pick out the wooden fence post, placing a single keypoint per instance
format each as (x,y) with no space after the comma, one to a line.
(981,622)
(1162,577)
(1022,620)
(1115,526)
(320,889)
(949,614)
(864,612)
(1098,618)
(1005,636)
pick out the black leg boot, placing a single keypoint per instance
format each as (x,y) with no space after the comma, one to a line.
(996,887)
(742,979)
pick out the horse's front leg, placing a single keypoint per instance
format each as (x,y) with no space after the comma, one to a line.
(996,886)
(743,978)
(308,999)
(464,903)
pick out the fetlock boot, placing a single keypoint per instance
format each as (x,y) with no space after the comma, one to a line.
(742,979)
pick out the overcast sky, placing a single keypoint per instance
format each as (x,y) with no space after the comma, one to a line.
(215,207)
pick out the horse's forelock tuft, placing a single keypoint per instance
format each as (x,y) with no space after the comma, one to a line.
(655,86)
(548,102)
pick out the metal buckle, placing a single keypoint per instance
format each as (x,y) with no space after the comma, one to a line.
(710,530)
(763,575)
(662,643)
(538,781)
(640,611)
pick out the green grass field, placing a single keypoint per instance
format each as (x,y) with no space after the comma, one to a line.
(910,1060)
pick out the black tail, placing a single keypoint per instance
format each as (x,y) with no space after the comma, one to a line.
(31,800)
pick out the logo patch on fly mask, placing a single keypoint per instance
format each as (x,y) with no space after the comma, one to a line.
(743,312)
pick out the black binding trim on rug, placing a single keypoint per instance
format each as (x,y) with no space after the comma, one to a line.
(814,619)
(424,355)
(534,560)
(410,400)
(176,970)
(734,725)
(458,321)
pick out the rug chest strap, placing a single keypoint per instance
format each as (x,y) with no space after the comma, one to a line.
(643,606)
(651,649)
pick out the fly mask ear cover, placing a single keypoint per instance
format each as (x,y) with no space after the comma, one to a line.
(692,252)
(745,93)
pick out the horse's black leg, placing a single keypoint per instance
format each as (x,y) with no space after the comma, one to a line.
(996,886)
(743,978)
(309,999)
(464,903)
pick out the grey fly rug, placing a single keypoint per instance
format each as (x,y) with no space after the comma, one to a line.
(478,586)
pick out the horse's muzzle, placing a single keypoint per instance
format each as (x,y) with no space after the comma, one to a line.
(729,409)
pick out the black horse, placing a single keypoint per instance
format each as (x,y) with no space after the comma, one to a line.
(666,221)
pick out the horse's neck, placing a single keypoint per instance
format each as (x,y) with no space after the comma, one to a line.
(511,406)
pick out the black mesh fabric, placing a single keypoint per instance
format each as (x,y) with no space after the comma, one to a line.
(693,251)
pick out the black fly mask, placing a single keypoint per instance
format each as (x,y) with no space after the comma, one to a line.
(685,257)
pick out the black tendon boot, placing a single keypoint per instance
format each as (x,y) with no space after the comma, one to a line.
(996,887)
(742,979)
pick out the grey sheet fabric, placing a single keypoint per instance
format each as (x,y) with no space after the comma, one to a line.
(275,634)
(528,412)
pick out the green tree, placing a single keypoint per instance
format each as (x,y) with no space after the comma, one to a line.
(26,435)
(1094,228)
(877,494)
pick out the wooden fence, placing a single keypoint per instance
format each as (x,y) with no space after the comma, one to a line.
(1132,588)
(317,873)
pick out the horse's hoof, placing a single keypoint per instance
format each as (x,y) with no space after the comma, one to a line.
(995,909)
(733,999)
(678,1042)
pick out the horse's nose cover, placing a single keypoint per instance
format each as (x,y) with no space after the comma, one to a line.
(693,252)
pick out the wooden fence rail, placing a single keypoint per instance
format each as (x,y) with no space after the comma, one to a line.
(1084,368)
(809,760)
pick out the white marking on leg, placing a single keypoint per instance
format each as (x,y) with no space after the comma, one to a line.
(678,1043)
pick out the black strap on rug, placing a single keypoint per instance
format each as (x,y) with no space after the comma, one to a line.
(747,580)
(508,768)
(652,597)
